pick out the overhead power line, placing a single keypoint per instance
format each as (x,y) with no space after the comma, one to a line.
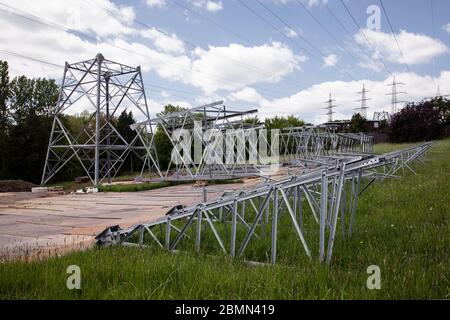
(394,95)
(18,55)
(364,35)
(341,24)
(393,33)
(326,30)
(398,45)
(36,19)
(303,38)
(266,21)
(184,7)
(189,44)
(147,86)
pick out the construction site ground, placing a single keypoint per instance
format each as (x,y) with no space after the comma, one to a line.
(35,224)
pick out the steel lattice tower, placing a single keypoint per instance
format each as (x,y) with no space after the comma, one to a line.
(104,88)
(330,108)
(363,108)
(394,95)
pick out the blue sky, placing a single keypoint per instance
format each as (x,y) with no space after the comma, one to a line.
(204,50)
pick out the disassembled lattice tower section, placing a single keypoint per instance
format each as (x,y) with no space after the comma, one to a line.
(104,88)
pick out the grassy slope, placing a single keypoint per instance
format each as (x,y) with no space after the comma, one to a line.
(156,185)
(402,226)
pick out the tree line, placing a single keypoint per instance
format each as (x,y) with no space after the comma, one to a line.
(417,121)
(26,114)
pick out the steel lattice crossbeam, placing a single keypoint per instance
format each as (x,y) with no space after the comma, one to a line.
(331,190)
(313,142)
(105,88)
(213,117)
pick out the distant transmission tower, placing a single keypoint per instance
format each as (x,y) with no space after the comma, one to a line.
(105,89)
(438,92)
(363,108)
(394,94)
(380,116)
(330,108)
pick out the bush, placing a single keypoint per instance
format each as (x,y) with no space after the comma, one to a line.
(417,122)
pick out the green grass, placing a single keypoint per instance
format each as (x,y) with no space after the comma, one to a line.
(402,226)
(382,148)
(136,187)
(70,186)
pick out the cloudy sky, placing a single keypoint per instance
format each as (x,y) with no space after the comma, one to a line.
(281,56)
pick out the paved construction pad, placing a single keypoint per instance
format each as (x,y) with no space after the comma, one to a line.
(39,224)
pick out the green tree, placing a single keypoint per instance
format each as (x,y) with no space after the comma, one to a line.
(124,121)
(254,120)
(45,96)
(32,95)
(278,122)
(29,102)
(357,123)
(416,122)
(21,99)
(4,96)
(162,142)
(4,115)
(27,146)
(443,106)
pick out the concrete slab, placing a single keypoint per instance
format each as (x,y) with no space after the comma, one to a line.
(35,223)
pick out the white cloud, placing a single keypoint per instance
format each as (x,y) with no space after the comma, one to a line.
(163,41)
(447,28)
(310,3)
(309,103)
(57,46)
(156,107)
(214,6)
(156,3)
(164,94)
(247,95)
(290,33)
(208,5)
(211,69)
(234,67)
(416,48)
(81,16)
(330,60)
(225,65)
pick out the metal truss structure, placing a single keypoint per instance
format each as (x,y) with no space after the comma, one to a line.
(210,118)
(315,204)
(315,142)
(106,88)
(381,116)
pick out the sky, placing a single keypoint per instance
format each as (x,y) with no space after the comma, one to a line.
(280,56)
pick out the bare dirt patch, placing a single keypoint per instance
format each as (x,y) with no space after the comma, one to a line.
(16,186)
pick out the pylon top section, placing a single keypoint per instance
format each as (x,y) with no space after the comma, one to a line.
(214,115)
(92,66)
(99,83)
(215,118)
(104,89)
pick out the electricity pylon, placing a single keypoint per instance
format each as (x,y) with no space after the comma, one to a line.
(104,88)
